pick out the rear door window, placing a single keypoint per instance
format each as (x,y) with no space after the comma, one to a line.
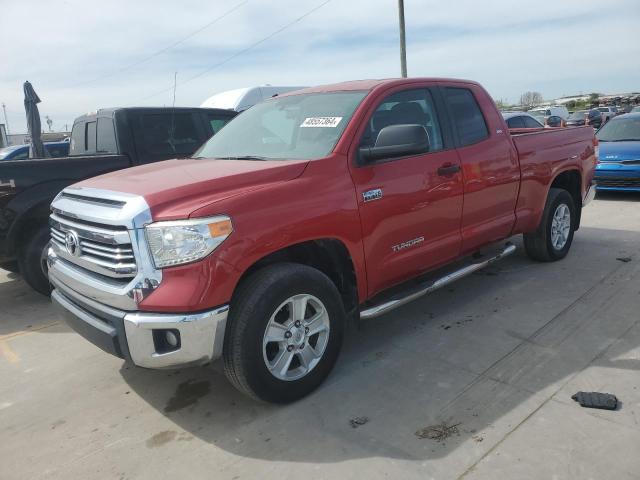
(515,122)
(530,122)
(466,116)
(166,135)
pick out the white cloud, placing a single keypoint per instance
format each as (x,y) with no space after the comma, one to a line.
(554,47)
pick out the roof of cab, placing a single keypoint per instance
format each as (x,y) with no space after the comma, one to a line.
(109,112)
(372,84)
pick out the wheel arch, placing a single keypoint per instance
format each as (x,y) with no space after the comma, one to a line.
(571,181)
(328,255)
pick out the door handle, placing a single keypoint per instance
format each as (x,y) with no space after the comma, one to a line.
(448,169)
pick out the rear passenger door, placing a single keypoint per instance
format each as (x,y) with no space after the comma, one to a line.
(490,169)
(410,206)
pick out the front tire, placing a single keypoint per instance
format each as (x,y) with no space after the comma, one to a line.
(552,240)
(284,334)
(32,261)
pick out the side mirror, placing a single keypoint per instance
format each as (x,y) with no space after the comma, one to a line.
(397,141)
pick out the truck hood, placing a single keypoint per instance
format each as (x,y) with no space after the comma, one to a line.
(619,151)
(173,189)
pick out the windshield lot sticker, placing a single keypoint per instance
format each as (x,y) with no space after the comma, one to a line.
(330,122)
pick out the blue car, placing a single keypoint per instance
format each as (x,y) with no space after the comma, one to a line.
(21,152)
(619,166)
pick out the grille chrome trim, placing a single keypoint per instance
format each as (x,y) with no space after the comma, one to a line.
(114,265)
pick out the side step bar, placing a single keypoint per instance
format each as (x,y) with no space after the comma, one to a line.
(432,285)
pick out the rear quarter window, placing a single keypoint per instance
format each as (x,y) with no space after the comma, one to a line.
(106,142)
(466,116)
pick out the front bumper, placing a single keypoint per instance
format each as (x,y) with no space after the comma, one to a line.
(137,336)
(618,177)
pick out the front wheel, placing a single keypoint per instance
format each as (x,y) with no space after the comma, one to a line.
(552,240)
(32,261)
(284,333)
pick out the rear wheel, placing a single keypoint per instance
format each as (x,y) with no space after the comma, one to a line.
(552,240)
(32,261)
(284,334)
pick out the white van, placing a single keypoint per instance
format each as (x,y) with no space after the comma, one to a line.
(243,98)
(546,112)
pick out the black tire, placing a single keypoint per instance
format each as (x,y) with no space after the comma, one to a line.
(10,267)
(32,261)
(539,245)
(255,301)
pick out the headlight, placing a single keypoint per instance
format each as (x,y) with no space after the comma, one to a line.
(184,241)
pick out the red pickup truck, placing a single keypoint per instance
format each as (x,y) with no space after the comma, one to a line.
(315,207)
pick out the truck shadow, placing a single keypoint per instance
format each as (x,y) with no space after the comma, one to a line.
(456,370)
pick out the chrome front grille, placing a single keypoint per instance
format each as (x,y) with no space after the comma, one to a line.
(102,249)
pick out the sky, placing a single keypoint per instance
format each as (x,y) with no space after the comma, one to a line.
(90,54)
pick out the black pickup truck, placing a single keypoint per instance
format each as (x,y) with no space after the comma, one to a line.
(104,141)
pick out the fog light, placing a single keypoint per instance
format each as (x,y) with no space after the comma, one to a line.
(172,338)
(166,340)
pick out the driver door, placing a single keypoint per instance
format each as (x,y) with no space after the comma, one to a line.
(410,207)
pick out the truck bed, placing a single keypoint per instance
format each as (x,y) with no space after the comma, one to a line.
(543,153)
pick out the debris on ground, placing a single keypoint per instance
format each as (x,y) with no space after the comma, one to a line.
(357,421)
(438,432)
(606,401)
(624,259)
(477,438)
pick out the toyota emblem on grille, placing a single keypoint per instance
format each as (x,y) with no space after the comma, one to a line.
(72,243)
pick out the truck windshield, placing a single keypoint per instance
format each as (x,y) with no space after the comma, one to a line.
(620,130)
(301,127)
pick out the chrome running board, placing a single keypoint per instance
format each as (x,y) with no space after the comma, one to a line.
(430,286)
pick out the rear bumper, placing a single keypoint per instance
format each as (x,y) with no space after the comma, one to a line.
(137,336)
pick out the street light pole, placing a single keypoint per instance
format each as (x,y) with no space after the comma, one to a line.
(6,122)
(403,47)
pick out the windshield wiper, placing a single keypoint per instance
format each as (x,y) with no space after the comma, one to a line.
(623,140)
(244,157)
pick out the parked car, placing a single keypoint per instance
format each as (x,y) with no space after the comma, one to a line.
(554,121)
(607,113)
(619,166)
(307,210)
(577,118)
(521,120)
(242,98)
(558,110)
(594,118)
(635,109)
(21,152)
(108,140)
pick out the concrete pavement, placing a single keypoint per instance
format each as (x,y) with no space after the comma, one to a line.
(491,361)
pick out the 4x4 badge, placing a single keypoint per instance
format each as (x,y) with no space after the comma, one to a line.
(370,195)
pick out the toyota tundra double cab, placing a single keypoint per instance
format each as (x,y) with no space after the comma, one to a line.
(315,207)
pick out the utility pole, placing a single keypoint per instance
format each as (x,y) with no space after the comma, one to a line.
(403,46)
(6,122)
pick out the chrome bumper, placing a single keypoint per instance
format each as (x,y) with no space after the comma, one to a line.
(590,195)
(130,335)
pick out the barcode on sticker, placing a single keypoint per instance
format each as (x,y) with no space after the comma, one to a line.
(330,122)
